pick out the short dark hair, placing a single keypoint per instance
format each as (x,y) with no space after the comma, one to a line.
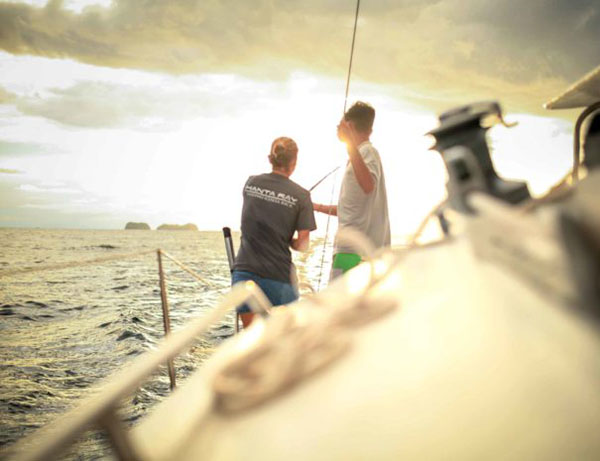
(283,152)
(362,114)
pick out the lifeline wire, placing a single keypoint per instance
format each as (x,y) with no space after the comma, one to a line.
(70,264)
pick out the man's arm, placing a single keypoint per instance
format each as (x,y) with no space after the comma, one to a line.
(327,209)
(347,134)
(301,242)
(362,173)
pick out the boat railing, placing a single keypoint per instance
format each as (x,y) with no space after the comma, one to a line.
(162,279)
(102,410)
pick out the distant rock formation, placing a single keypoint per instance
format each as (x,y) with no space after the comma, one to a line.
(137,226)
(187,227)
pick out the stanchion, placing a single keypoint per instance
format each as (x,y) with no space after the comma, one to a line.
(231,259)
(165,309)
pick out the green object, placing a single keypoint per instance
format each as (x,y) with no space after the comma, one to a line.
(345,261)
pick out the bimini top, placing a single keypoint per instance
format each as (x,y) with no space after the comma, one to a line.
(582,93)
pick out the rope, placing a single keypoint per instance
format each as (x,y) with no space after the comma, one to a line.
(351,54)
(186,268)
(286,351)
(66,265)
(295,343)
(413,240)
(334,170)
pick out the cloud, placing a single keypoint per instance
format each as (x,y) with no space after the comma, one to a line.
(15,149)
(26,209)
(6,97)
(46,190)
(152,107)
(439,51)
(176,37)
(546,37)
(34,206)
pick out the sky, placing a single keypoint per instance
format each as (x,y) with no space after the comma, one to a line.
(158,110)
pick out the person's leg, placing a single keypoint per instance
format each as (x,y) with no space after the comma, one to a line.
(342,263)
(277,292)
(247,319)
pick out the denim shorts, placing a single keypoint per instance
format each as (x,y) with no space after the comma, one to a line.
(277,292)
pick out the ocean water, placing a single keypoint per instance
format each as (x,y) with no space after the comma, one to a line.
(64,330)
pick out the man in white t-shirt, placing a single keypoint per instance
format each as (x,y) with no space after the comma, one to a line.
(362,204)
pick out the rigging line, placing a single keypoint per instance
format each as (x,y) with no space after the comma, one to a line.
(351,55)
(345,103)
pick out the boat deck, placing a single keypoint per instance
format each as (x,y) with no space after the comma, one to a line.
(473,363)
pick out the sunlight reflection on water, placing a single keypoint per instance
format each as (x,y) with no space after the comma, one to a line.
(64,330)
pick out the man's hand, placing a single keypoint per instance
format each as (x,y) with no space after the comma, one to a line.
(301,242)
(327,209)
(347,134)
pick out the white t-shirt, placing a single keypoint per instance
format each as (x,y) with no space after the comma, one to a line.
(367,213)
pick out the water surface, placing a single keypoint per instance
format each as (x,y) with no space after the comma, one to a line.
(62,331)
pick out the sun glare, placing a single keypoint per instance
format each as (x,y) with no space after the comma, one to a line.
(192,168)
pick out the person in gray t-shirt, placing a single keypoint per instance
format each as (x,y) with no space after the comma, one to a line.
(362,204)
(274,209)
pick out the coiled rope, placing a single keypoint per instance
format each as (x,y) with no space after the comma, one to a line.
(276,354)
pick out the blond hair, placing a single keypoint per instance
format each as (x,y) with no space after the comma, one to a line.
(284,152)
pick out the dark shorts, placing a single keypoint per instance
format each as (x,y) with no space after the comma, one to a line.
(277,292)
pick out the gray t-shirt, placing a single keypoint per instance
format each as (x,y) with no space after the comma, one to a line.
(367,213)
(274,208)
